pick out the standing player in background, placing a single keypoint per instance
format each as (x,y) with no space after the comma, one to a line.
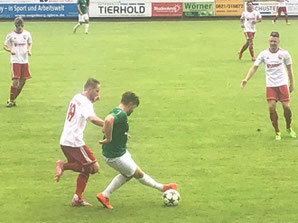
(277,89)
(281,8)
(83,9)
(115,153)
(19,44)
(248,21)
(79,157)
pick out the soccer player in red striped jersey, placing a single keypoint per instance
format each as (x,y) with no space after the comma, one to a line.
(19,44)
(277,78)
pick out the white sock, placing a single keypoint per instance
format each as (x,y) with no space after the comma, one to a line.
(76,26)
(148,181)
(116,183)
(86,27)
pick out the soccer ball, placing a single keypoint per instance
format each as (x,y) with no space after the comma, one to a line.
(171,197)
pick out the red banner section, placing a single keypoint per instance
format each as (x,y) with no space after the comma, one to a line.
(167,9)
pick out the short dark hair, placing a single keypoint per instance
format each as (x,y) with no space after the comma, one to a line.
(91,83)
(18,21)
(249,1)
(128,97)
(274,34)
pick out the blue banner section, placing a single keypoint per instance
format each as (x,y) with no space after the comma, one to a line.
(39,10)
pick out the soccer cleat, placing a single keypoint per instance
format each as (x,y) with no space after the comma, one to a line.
(10,103)
(239,55)
(169,186)
(59,170)
(291,132)
(74,30)
(104,200)
(273,22)
(79,202)
(86,32)
(288,23)
(253,59)
(278,136)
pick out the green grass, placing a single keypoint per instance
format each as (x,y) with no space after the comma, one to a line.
(194,126)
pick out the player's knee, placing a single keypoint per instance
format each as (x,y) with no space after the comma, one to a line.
(94,168)
(138,173)
(15,83)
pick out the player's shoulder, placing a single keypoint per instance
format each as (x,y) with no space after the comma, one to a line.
(11,33)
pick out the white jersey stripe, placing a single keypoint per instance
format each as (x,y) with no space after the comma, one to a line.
(85,155)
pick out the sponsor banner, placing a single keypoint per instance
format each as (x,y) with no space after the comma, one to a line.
(167,9)
(38,1)
(38,10)
(229,7)
(120,9)
(198,9)
(270,8)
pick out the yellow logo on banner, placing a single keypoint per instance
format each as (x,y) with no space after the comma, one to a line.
(229,7)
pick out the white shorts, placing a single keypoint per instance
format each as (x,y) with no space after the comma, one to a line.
(83,18)
(124,164)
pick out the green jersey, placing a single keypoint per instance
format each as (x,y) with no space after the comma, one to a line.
(117,147)
(83,4)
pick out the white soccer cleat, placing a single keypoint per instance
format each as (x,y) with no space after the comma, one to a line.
(79,202)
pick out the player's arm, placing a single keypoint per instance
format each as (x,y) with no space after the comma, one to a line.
(96,121)
(291,77)
(29,49)
(108,129)
(8,49)
(79,9)
(250,73)
(242,22)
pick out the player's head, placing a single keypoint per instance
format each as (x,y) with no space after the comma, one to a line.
(91,88)
(19,23)
(274,40)
(250,6)
(130,100)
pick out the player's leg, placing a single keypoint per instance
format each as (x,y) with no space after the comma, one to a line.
(286,16)
(244,47)
(149,181)
(285,100)
(251,49)
(80,21)
(274,118)
(86,17)
(15,74)
(278,15)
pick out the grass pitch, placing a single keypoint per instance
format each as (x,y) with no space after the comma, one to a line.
(194,126)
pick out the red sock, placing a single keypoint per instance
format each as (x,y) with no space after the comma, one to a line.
(288,117)
(13,93)
(274,118)
(72,166)
(81,184)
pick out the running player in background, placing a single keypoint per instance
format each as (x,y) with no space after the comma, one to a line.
(79,157)
(281,8)
(19,44)
(117,156)
(83,9)
(277,89)
(248,20)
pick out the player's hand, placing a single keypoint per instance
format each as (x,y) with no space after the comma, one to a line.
(243,83)
(104,141)
(12,52)
(29,52)
(242,26)
(254,22)
(291,88)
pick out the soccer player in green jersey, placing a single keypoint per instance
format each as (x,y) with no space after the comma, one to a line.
(115,152)
(83,9)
